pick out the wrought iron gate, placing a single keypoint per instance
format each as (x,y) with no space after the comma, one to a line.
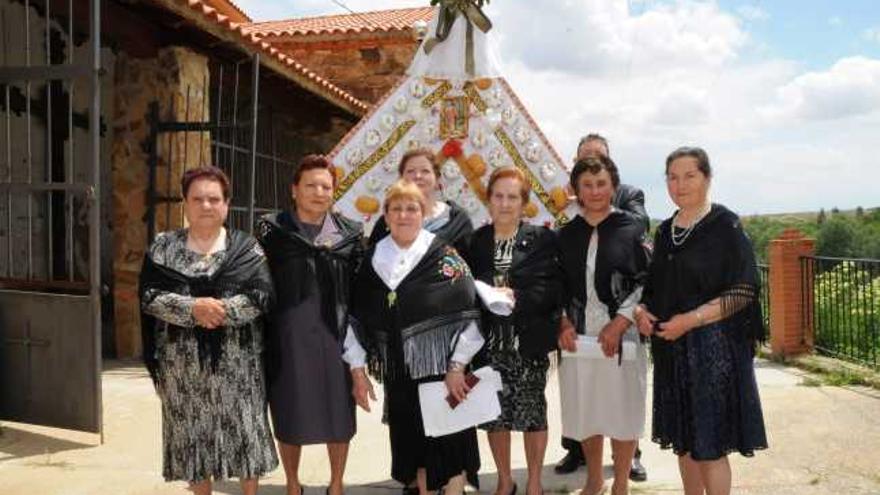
(50,279)
(239,137)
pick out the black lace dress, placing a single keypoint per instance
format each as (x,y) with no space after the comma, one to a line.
(706,401)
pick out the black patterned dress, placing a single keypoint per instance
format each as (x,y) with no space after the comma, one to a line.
(214,422)
(523,404)
(706,399)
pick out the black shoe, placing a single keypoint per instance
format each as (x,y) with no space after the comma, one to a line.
(569,463)
(637,471)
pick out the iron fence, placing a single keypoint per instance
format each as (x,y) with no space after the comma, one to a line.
(841,305)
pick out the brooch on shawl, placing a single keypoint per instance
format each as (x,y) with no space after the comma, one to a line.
(452,266)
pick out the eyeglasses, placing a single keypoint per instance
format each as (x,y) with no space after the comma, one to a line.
(400,210)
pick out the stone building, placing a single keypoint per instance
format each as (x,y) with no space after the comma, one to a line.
(183,84)
(364,53)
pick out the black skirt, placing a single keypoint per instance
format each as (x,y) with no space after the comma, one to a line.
(706,401)
(442,457)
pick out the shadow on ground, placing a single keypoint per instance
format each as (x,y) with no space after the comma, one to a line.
(18,444)
(553,483)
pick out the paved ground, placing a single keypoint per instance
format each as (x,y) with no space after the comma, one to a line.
(823,440)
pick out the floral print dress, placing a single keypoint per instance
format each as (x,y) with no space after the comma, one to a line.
(214,422)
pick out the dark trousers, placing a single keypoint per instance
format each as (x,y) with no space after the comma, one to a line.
(573,446)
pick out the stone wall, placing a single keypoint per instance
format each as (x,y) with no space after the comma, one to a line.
(367,70)
(173,76)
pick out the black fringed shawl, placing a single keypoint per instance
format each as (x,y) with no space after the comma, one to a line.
(243,271)
(621,262)
(456,232)
(300,268)
(536,279)
(411,332)
(716,261)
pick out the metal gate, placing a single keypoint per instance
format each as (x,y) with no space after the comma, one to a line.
(239,137)
(50,279)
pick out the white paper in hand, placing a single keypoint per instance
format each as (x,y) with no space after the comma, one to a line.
(481,405)
(497,302)
(588,347)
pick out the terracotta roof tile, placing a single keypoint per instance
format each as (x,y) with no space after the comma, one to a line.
(380,21)
(229,8)
(301,74)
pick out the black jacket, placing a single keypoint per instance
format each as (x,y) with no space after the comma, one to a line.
(631,200)
(536,279)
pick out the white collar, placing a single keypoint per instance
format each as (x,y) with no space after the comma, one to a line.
(393,263)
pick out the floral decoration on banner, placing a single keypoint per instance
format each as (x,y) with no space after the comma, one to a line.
(437,95)
(538,188)
(470,89)
(374,158)
(452,266)
(452,149)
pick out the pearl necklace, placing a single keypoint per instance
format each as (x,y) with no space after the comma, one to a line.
(679,239)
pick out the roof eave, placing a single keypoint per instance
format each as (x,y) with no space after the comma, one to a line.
(221,27)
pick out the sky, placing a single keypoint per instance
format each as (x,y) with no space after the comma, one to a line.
(783,95)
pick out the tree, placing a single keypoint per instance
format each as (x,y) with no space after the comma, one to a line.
(837,237)
(860,212)
(821,217)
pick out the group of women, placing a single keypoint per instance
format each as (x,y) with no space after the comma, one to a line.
(300,316)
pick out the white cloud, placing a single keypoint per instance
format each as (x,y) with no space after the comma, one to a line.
(604,37)
(835,21)
(653,75)
(849,88)
(752,13)
(872,34)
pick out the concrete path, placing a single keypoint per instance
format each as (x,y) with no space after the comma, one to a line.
(823,440)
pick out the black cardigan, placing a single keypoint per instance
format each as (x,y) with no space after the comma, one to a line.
(536,279)
(621,262)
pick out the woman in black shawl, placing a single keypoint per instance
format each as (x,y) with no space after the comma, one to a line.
(444,218)
(313,254)
(701,306)
(415,313)
(204,291)
(603,386)
(519,262)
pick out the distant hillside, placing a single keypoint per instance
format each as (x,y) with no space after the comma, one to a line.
(811,216)
(845,233)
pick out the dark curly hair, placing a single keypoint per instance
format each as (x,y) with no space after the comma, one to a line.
(593,164)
